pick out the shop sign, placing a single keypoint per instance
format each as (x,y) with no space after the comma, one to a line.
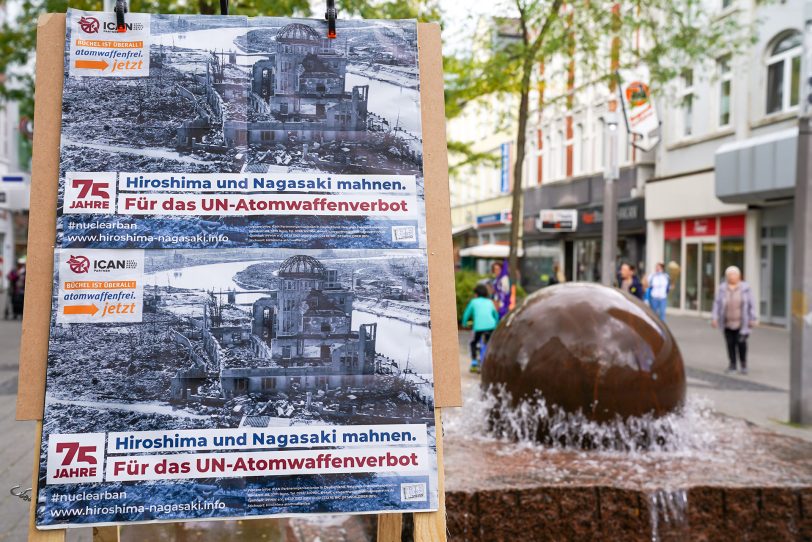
(492,219)
(629,215)
(557,220)
(697,227)
(504,173)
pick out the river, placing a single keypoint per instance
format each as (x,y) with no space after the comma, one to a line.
(147,407)
(408,344)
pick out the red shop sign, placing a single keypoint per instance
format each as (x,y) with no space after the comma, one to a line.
(696,227)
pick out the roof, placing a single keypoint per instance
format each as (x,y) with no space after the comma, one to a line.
(298,33)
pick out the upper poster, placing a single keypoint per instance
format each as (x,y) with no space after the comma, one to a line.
(233,132)
(240,322)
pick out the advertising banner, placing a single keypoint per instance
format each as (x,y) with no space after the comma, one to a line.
(240,321)
(557,220)
(638,108)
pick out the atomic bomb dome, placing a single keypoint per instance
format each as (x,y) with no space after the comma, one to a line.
(301,266)
(298,33)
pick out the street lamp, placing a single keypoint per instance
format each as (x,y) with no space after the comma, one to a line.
(611,173)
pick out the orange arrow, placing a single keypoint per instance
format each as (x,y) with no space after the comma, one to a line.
(81,309)
(92,64)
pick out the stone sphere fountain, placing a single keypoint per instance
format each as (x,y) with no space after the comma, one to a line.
(580,429)
(590,349)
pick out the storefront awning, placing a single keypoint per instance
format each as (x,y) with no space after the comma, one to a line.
(489,250)
(461,230)
(757,169)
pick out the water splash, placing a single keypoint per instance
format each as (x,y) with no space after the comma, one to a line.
(669,510)
(692,428)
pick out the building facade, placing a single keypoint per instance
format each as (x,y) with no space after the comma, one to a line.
(725,171)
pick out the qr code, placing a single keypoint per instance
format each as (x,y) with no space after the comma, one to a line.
(404,234)
(414,492)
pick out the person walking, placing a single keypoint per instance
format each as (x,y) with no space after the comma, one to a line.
(734,311)
(16,289)
(659,284)
(628,281)
(485,317)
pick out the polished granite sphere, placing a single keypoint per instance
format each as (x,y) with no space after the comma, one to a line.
(587,348)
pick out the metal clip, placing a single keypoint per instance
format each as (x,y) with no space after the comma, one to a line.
(24,495)
(331,15)
(120,9)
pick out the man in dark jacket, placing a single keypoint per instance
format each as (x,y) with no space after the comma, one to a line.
(629,282)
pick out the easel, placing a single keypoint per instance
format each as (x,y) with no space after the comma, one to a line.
(428,526)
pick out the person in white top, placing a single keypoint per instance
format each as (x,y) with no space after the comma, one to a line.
(659,284)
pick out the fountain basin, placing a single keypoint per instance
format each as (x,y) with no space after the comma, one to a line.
(750,484)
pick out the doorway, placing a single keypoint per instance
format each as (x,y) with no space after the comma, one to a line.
(700,275)
(775,266)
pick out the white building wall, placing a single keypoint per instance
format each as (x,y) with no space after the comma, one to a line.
(687,160)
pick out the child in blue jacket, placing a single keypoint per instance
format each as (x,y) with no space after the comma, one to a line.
(485,317)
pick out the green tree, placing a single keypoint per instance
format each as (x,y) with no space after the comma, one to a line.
(583,42)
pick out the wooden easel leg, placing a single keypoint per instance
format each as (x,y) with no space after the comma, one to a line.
(106,534)
(390,527)
(430,526)
(35,535)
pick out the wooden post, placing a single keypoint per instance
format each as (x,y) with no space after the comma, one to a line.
(390,527)
(430,526)
(35,535)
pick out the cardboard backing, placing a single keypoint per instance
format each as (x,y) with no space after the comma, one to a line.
(42,217)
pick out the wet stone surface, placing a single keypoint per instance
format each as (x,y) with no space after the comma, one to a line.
(722,480)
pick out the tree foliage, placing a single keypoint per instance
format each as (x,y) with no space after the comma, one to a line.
(544,51)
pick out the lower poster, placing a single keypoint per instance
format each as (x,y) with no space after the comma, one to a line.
(201,383)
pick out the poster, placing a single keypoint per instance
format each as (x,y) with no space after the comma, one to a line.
(240,319)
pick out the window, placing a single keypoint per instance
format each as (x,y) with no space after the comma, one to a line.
(547,171)
(578,150)
(725,82)
(687,104)
(269,383)
(784,74)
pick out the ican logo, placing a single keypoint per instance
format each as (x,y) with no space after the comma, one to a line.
(79,264)
(89,193)
(75,458)
(89,25)
(413,492)
(105,266)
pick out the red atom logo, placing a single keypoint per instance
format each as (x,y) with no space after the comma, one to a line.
(79,264)
(89,25)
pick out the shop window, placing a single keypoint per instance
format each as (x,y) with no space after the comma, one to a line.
(588,260)
(732,254)
(673,266)
(784,74)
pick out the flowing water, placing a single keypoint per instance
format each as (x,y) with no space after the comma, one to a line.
(654,455)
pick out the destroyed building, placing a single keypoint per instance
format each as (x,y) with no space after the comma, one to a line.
(298,336)
(299,92)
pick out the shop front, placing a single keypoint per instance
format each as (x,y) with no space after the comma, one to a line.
(760,173)
(696,253)
(697,237)
(577,250)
